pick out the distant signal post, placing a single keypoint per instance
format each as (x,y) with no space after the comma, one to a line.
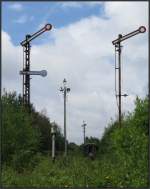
(117,43)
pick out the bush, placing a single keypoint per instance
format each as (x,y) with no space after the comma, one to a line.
(19,139)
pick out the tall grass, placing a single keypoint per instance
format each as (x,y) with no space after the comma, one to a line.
(73,171)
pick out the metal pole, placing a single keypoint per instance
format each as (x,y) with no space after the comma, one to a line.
(65,136)
(53,132)
(119,63)
(26,78)
(84,125)
(26,65)
(117,43)
(84,133)
(53,146)
(65,90)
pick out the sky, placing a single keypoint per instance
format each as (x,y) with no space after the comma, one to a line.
(78,48)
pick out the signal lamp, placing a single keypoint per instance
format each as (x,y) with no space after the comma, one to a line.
(48,27)
(142,29)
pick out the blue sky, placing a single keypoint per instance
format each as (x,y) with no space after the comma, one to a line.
(21,18)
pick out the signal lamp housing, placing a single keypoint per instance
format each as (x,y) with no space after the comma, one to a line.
(142,29)
(68,89)
(48,27)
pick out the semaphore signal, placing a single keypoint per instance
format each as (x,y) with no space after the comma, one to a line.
(26,64)
(117,43)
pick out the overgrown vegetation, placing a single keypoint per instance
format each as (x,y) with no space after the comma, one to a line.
(121,161)
(23,134)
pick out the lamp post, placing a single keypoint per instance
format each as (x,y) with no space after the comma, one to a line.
(65,90)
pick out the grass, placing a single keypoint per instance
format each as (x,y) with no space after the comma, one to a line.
(71,172)
(75,171)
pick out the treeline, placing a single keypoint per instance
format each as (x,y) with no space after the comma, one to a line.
(27,135)
(24,134)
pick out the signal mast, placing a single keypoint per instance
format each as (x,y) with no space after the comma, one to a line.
(26,63)
(117,43)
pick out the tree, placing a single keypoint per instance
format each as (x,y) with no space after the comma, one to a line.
(19,139)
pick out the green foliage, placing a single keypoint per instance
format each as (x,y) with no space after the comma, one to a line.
(141,114)
(122,159)
(126,148)
(24,134)
(43,124)
(19,138)
(92,140)
(73,147)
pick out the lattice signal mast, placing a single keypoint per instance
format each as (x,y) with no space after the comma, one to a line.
(117,43)
(26,63)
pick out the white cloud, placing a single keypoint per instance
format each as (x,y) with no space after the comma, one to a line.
(83,54)
(79,4)
(16,6)
(23,19)
(11,64)
(71,4)
(127,14)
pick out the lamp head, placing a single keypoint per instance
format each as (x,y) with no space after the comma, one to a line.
(64,81)
(68,89)
(120,36)
(84,124)
(61,89)
(48,27)
(142,29)
(53,128)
